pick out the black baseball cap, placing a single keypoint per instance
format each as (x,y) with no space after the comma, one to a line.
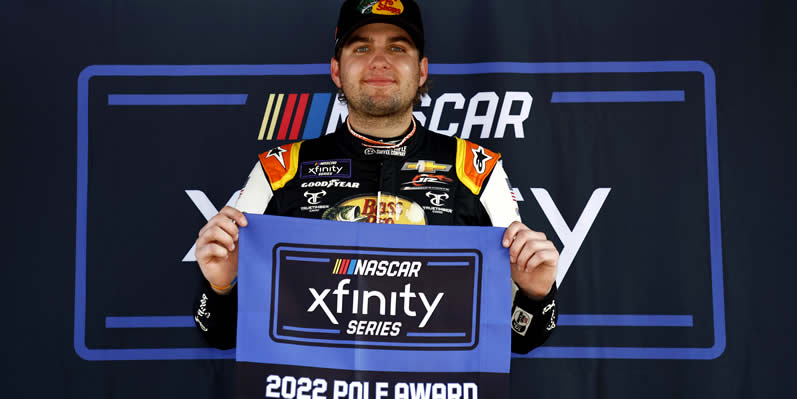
(403,13)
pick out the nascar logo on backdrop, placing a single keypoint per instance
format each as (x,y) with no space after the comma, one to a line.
(302,116)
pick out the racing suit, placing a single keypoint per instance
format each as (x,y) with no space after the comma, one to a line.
(419,178)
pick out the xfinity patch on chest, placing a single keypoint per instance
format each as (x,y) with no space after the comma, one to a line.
(326,168)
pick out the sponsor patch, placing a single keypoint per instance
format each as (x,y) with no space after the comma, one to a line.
(331,183)
(281,163)
(276,153)
(381,7)
(313,198)
(437,199)
(521,320)
(480,159)
(426,166)
(412,188)
(550,308)
(327,168)
(474,164)
(393,152)
(314,208)
(372,209)
(438,210)
(426,179)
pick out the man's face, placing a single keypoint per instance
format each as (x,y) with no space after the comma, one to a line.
(379,70)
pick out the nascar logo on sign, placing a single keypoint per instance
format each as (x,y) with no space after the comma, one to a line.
(376,298)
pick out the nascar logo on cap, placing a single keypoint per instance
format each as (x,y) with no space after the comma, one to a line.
(382,7)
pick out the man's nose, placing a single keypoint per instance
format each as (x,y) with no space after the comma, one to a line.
(379,60)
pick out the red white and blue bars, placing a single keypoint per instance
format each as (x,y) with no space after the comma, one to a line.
(293,115)
(344,266)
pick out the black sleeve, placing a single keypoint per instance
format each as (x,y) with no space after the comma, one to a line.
(216,316)
(532,321)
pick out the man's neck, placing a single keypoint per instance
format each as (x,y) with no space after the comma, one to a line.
(381,126)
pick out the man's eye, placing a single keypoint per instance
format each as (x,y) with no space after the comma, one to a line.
(397,49)
(361,50)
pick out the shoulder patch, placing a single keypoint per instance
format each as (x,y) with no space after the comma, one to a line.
(280,164)
(474,164)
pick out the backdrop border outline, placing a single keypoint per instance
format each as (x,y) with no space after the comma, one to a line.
(712,163)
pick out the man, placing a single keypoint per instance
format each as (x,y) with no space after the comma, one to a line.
(381,166)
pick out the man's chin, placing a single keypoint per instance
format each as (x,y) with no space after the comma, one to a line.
(376,106)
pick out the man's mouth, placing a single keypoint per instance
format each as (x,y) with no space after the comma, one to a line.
(378,81)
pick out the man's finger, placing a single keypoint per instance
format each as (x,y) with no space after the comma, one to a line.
(513,234)
(216,234)
(521,239)
(524,247)
(234,214)
(223,221)
(510,232)
(210,251)
(540,257)
(524,255)
(228,226)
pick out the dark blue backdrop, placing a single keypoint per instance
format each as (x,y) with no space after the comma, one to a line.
(708,157)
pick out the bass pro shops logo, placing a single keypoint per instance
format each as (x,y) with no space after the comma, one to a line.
(375,298)
(382,7)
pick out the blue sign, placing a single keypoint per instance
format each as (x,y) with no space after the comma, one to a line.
(361,299)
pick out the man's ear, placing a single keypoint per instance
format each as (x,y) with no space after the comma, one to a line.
(334,71)
(424,71)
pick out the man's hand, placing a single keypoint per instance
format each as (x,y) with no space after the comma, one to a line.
(533,258)
(217,248)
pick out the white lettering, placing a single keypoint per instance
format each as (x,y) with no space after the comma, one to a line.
(471,390)
(429,308)
(486,120)
(425,390)
(505,118)
(207,209)
(340,388)
(337,115)
(401,391)
(381,390)
(459,102)
(374,294)
(407,295)
(319,301)
(362,307)
(425,102)
(438,391)
(454,391)
(339,293)
(420,391)
(571,240)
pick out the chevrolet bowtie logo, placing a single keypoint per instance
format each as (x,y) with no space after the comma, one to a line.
(426,166)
